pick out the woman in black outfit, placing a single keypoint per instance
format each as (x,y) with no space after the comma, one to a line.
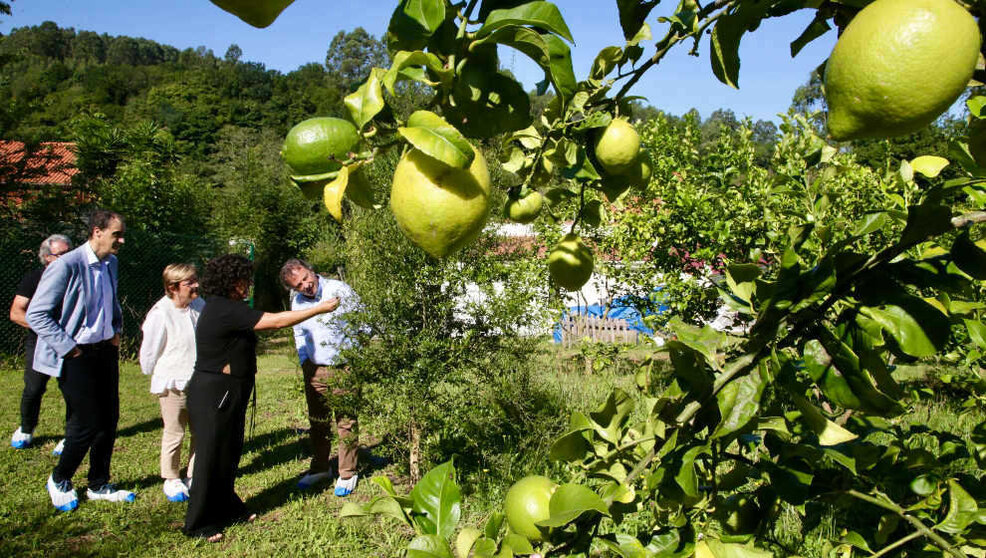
(220,387)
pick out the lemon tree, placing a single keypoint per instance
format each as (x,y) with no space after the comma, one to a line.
(802,407)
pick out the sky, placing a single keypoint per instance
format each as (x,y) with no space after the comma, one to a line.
(768,75)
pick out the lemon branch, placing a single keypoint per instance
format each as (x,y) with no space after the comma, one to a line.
(673,37)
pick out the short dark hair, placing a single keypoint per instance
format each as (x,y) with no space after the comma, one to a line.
(222,274)
(288,268)
(101,218)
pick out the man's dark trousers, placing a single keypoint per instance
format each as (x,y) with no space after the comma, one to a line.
(90,384)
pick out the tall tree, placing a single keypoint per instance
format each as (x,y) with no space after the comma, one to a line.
(352,54)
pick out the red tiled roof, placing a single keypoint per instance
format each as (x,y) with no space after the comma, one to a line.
(51,164)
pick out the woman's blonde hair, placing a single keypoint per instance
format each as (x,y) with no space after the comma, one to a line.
(176,273)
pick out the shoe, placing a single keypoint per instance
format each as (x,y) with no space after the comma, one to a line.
(188,482)
(20,439)
(175,490)
(311,479)
(109,493)
(59,448)
(63,496)
(345,487)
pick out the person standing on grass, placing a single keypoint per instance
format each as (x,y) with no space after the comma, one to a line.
(77,316)
(35,383)
(168,354)
(319,342)
(220,388)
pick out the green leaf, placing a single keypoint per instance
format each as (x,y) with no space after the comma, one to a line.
(919,328)
(870,223)
(367,101)
(484,548)
(465,539)
(739,403)
(428,13)
(544,15)
(437,498)
(572,446)
(633,14)
(828,432)
(605,62)
(724,49)
(518,544)
(609,418)
(560,71)
(845,360)
(815,29)
(976,105)
(962,510)
(428,546)
(977,331)
(405,59)
(438,139)
(686,477)
(493,524)
(924,222)
(525,40)
(969,257)
(929,165)
(569,502)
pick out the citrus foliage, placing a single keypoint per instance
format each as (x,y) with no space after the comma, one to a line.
(798,413)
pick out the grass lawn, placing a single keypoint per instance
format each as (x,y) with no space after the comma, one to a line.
(291,522)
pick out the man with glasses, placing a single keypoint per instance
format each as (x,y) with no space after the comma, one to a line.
(35,383)
(319,341)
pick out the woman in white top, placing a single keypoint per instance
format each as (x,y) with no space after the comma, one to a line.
(168,354)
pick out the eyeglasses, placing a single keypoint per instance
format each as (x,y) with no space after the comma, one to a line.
(186,282)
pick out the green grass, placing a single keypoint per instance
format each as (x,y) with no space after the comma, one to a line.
(291,522)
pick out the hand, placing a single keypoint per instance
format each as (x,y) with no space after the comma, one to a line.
(226,370)
(115,340)
(74,353)
(328,305)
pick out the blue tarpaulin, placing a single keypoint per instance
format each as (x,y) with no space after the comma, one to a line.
(620,309)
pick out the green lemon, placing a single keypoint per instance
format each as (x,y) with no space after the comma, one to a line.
(977,141)
(898,65)
(527,503)
(258,13)
(440,208)
(617,147)
(570,263)
(316,147)
(526,209)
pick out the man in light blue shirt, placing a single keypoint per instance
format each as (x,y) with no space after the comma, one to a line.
(77,317)
(319,341)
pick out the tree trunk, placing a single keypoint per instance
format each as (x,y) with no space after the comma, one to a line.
(414,459)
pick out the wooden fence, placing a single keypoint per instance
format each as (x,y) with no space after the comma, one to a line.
(606,330)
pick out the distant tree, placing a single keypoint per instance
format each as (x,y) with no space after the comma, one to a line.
(352,54)
(123,51)
(233,53)
(809,99)
(89,47)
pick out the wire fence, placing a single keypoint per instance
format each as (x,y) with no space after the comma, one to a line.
(142,259)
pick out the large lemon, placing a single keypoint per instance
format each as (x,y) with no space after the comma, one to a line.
(897,66)
(526,209)
(316,147)
(617,147)
(258,13)
(570,262)
(526,503)
(440,208)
